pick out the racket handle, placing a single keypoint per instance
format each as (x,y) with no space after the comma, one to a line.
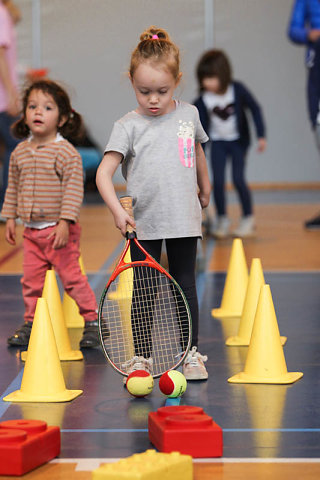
(126,203)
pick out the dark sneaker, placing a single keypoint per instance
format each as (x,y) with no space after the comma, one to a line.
(21,337)
(90,337)
(313,223)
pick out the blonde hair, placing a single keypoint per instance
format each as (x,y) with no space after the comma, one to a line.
(156,46)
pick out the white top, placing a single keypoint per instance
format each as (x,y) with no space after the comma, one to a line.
(223,124)
(159,165)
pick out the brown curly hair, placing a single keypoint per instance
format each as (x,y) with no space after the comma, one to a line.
(71,129)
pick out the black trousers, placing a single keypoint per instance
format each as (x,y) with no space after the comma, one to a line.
(182,261)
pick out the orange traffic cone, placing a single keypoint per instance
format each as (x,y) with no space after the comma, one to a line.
(42,379)
(235,285)
(265,361)
(70,309)
(256,280)
(51,294)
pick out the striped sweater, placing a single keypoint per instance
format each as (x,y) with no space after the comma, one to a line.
(45,184)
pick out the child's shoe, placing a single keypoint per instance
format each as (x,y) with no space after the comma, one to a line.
(137,363)
(21,336)
(246,227)
(90,337)
(193,367)
(220,227)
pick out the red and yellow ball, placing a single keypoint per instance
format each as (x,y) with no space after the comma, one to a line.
(139,383)
(173,384)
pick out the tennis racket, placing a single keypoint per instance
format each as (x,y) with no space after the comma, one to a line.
(143,312)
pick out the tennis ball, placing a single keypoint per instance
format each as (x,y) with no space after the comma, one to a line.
(173,384)
(139,383)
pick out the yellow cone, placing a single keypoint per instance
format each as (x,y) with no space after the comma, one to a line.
(51,294)
(42,379)
(125,280)
(123,296)
(236,284)
(265,361)
(70,309)
(256,280)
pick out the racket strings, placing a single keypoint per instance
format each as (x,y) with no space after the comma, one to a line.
(146,315)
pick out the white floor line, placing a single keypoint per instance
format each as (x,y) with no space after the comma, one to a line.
(89,464)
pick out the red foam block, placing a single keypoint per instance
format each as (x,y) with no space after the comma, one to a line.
(185,429)
(26,444)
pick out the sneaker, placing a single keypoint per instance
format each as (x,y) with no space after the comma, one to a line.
(21,337)
(313,223)
(90,337)
(220,227)
(193,367)
(137,363)
(246,227)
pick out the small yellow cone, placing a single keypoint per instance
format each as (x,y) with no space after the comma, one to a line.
(256,280)
(235,285)
(42,379)
(125,280)
(51,294)
(122,294)
(265,361)
(70,309)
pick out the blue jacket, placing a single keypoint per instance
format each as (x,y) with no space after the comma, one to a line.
(305,16)
(244,100)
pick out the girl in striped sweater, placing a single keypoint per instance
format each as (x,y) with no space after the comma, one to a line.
(45,190)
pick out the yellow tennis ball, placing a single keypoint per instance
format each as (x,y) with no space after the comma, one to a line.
(139,383)
(173,384)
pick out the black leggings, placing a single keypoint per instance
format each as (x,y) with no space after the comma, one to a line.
(182,254)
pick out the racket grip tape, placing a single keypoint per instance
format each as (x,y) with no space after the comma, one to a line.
(126,203)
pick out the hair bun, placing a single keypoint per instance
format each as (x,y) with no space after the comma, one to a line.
(151,31)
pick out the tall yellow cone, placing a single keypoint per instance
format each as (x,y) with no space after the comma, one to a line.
(70,309)
(125,279)
(256,280)
(123,296)
(235,285)
(42,379)
(265,361)
(51,294)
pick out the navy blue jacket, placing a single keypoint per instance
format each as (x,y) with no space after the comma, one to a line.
(244,101)
(305,16)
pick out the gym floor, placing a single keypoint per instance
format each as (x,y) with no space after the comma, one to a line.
(269,431)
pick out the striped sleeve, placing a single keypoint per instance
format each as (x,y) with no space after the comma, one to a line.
(69,162)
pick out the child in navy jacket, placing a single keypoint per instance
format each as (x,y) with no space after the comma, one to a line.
(222,106)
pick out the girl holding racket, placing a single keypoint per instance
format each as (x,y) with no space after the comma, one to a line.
(159,147)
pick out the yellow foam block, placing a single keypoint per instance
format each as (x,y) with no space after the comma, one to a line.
(149,465)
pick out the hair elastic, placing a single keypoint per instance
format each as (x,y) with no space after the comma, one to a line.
(155,37)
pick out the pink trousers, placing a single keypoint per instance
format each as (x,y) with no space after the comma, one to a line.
(39,256)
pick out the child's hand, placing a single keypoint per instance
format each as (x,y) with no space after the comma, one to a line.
(262,145)
(11,231)
(204,199)
(60,234)
(122,220)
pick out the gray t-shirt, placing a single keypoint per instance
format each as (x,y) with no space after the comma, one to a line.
(159,165)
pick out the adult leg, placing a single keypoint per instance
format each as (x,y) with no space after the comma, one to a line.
(313,98)
(9,145)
